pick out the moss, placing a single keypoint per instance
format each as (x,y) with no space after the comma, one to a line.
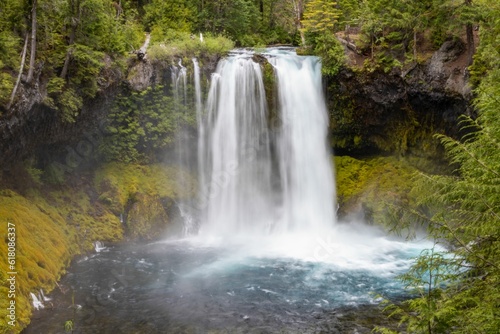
(147,217)
(118,183)
(140,193)
(269,79)
(43,248)
(371,186)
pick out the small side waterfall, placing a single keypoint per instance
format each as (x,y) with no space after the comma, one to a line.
(262,179)
(185,156)
(179,82)
(199,113)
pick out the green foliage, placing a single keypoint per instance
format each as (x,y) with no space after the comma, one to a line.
(170,14)
(238,19)
(68,326)
(331,52)
(349,12)
(426,280)
(66,101)
(74,35)
(320,16)
(6,86)
(143,125)
(169,47)
(487,56)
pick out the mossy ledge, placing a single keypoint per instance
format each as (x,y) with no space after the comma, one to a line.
(56,223)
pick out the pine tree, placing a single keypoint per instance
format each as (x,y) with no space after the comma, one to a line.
(320,16)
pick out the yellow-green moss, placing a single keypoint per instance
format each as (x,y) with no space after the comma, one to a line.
(137,191)
(372,185)
(147,217)
(117,183)
(43,249)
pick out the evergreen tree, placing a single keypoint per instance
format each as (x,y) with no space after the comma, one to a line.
(320,16)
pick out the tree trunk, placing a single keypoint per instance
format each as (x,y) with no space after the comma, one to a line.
(74,25)
(21,68)
(470,38)
(298,7)
(33,43)
(470,44)
(415,53)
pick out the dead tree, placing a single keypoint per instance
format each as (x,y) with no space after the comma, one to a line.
(21,68)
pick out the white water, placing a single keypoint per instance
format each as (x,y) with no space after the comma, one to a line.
(99,246)
(199,111)
(37,304)
(183,156)
(179,80)
(237,192)
(304,161)
(264,179)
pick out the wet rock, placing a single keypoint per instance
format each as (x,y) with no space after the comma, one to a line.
(400,111)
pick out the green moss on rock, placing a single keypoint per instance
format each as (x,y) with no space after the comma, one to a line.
(369,187)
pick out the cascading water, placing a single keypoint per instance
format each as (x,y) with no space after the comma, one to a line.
(179,82)
(305,166)
(266,178)
(185,161)
(236,153)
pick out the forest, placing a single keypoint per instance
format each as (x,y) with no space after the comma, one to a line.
(75,46)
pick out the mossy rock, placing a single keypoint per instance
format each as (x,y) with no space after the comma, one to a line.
(147,219)
(368,188)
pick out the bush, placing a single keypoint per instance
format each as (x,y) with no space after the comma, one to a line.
(179,44)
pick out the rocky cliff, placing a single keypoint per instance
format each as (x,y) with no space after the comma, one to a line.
(375,112)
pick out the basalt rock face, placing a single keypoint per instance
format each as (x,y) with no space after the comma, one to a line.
(400,111)
(30,128)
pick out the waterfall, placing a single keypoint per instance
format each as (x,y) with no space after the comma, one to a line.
(199,113)
(305,166)
(236,167)
(185,160)
(197,89)
(179,82)
(257,178)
